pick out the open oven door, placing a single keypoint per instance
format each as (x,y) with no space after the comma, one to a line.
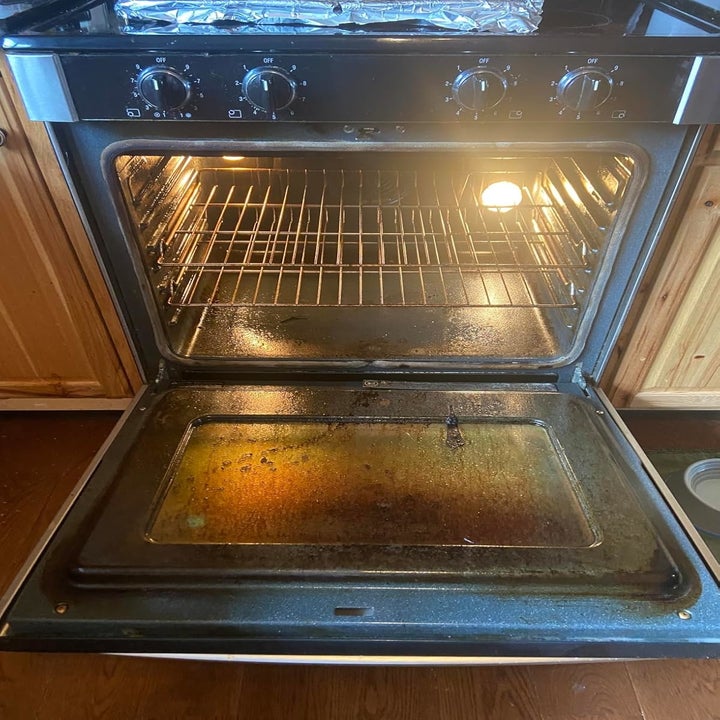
(386,518)
(377,432)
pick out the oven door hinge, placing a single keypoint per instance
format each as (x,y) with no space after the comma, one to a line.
(580,379)
(162,378)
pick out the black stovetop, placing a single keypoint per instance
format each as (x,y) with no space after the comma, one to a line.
(589,26)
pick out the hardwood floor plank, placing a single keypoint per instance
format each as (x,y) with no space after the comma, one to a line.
(375,693)
(42,456)
(78,687)
(345,693)
(494,693)
(596,691)
(677,689)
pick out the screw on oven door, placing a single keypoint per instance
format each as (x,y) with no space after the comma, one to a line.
(3,137)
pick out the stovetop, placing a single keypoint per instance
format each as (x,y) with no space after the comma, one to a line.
(590,26)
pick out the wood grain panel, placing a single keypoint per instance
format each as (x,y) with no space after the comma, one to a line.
(677,399)
(64,203)
(658,335)
(50,386)
(682,689)
(591,692)
(62,404)
(51,330)
(690,354)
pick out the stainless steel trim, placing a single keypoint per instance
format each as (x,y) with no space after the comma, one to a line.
(41,82)
(685,522)
(93,244)
(687,92)
(700,101)
(19,580)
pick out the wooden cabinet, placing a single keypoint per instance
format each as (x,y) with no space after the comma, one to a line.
(61,341)
(669,355)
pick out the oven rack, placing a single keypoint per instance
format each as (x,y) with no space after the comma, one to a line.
(281,237)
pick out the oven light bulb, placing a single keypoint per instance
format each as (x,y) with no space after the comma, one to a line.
(501,196)
(232,158)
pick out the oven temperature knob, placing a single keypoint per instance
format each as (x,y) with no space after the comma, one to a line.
(163,88)
(269,89)
(584,89)
(479,89)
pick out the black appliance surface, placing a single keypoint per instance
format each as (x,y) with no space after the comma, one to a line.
(16,15)
(268,495)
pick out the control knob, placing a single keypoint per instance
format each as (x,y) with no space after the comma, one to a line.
(584,89)
(479,89)
(269,89)
(163,88)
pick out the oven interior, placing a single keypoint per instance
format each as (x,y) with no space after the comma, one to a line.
(496,259)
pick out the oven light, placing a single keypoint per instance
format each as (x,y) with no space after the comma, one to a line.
(501,196)
(233,157)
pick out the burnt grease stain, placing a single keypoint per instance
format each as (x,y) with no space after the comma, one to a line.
(292,318)
(453,437)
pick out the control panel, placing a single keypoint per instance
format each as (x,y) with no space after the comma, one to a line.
(376,87)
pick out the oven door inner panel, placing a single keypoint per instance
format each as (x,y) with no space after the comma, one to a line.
(291,518)
(333,482)
(434,482)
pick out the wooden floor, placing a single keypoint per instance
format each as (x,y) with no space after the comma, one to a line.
(40,457)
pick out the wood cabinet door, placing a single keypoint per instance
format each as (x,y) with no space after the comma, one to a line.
(54,336)
(670,355)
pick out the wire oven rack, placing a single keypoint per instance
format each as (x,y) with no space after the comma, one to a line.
(357,237)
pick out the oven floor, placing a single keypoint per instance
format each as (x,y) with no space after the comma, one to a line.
(306,332)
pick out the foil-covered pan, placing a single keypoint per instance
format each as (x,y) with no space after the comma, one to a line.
(493,16)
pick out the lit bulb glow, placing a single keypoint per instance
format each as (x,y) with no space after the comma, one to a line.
(501,196)
(233,157)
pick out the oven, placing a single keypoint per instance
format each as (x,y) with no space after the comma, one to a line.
(372,283)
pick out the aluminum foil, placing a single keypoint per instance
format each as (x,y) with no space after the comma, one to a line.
(494,16)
